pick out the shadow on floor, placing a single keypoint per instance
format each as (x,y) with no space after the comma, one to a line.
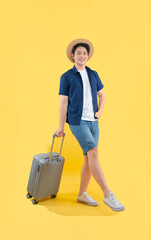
(66,204)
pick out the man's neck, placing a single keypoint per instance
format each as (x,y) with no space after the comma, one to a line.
(80,67)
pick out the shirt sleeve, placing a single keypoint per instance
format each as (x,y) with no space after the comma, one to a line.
(64,86)
(99,82)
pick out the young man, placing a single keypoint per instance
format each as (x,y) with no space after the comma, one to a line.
(79,87)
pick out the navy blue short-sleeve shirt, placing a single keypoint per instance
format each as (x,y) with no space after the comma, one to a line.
(71,85)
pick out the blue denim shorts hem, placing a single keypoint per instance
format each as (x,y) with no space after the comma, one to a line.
(87,134)
(90,146)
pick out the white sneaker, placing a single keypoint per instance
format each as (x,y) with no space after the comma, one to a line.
(113,203)
(85,198)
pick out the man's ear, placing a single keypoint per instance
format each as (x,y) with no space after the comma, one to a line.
(72,56)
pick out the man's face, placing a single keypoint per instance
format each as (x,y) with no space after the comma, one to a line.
(80,55)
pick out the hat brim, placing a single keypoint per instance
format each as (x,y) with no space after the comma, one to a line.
(74,42)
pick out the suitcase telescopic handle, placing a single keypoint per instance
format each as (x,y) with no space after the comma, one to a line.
(52,146)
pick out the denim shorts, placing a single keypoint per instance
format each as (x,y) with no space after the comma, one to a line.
(87,134)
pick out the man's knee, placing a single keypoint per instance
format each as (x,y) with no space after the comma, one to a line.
(93,152)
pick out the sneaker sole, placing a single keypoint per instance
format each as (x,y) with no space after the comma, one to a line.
(115,209)
(88,203)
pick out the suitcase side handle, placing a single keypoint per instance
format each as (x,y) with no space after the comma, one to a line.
(54,135)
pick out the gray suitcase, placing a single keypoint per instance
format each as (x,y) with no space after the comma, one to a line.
(45,174)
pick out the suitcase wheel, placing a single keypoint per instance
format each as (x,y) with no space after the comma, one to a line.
(34,201)
(28,196)
(53,196)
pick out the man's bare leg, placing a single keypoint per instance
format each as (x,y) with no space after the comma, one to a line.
(96,171)
(85,176)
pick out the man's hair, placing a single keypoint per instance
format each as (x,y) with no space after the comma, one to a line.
(81,45)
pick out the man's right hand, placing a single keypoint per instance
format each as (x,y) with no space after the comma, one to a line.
(59,132)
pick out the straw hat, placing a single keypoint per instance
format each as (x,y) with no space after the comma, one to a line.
(74,42)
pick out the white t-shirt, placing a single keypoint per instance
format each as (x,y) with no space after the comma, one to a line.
(88,112)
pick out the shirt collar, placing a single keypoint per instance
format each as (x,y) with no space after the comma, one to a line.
(75,69)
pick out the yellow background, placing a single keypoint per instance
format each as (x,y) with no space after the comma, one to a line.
(34,37)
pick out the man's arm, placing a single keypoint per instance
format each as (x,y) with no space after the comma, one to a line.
(63,110)
(102,100)
(62,114)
